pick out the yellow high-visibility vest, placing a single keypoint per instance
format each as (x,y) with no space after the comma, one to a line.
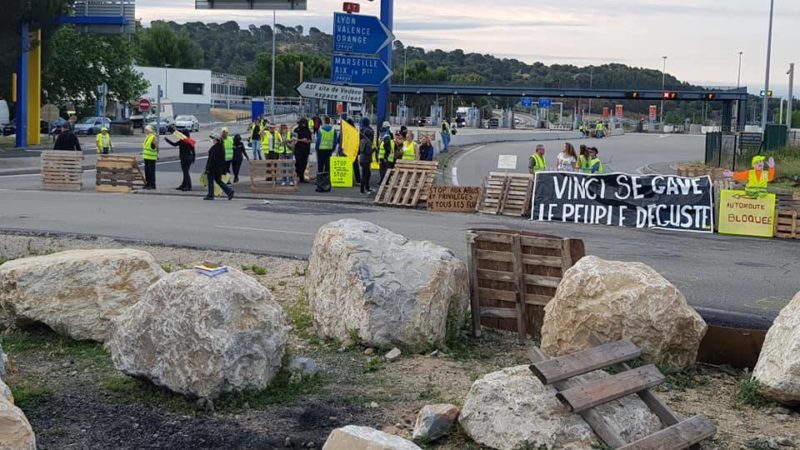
(757,186)
(382,152)
(103,142)
(408,151)
(228,148)
(327,139)
(281,143)
(538,162)
(148,153)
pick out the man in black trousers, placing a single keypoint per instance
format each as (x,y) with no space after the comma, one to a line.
(302,149)
(216,166)
(186,154)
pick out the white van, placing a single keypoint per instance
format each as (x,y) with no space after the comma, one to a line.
(4,116)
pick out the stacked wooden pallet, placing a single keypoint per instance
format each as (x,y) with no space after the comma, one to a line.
(268,176)
(787,217)
(514,274)
(118,173)
(699,170)
(407,184)
(583,397)
(62,170)
(507,194)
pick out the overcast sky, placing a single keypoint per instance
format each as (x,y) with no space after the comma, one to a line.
(701,38)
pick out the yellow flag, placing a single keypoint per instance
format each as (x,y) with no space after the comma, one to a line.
(350,141)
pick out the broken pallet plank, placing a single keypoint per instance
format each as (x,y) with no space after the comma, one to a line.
(679,436)
(568,366)
(599,392)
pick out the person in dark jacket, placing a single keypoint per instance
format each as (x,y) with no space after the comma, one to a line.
(216,166)
(67,140)
(186,154)
(239,154)
(365,155)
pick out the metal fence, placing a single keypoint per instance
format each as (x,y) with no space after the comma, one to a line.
(735,151)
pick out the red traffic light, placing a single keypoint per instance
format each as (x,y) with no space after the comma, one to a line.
(709,96)
(669,95)
(350,7)
(632,94)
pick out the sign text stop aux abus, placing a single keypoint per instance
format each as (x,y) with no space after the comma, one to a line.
(454,198)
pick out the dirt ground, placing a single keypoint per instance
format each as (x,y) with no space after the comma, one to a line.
(75,399)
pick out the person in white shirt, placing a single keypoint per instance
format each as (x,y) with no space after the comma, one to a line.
(567,159)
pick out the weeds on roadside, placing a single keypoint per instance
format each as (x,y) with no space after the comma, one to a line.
(167,268)
(299,315)
(373,364)
(748,392)
(41,339)
(258,270)
(28,392)
(3,260)
(688,378)
(597,445)
(282,391)
(131,390)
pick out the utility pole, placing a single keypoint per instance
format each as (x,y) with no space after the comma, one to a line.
(272,92)
(663,80)
(739,77)
(591,84)
(385,89)
(791,98)
(765,104)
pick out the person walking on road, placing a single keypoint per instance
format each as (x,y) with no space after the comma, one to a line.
(595,165)
(150,156)
(186,154)
(567,159)
(239,154)
(227,141)
(446,134)
(410,151)
(103,141)
(537,162)
(216,166)
(67,140)
(326,141)
(255,139)
(302,149)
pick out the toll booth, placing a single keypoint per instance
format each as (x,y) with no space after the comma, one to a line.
(402,115)
(473,119)
(436,115)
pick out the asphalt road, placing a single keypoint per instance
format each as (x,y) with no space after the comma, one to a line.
(713,271)
(627,153)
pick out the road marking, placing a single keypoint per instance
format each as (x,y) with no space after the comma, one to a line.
(458,160)
(268,230)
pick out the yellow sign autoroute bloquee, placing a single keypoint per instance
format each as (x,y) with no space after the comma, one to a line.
(746,216)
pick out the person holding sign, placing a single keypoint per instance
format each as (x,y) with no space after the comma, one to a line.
(537,161)
(595,166)
(410,148)
(365,153)
(757,178)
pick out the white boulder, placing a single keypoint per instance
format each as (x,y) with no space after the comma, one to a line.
(511,409)
(618,300)
(354,437)
(15,430)
(388,289)
(201,336)
(778,366)
(77,293)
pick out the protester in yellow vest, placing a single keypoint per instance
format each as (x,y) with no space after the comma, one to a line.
(387,153)
(537,162)
(227,141)
(103,141)
(150,156)
(757,178)
(594,165)
(283,147)
(410,148)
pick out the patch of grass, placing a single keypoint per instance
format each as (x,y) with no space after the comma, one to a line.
(430,393)
(297,272)
(688,378)
(258,270)
(282,391)
(29,392)
(3,260)
(41,339)
(354,337)
(373,364)
(166,268)
(300,316)
(131,390)
(597,445)
(748,392)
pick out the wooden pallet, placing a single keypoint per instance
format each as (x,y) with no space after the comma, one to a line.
(787,224)
(407,184)
(118,174)
(513,275)
(788,201)
(507,194)
(62,170)
(266,175)
(582,397)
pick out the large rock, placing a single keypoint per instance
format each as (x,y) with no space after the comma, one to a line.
(778,366)
(511,409)
(15,430)
(354,437)
(77,292)
(202,336)
(389,290)
(617,300)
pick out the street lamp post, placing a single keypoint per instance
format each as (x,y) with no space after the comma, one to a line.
(791,98)
(272,91)
(739,76)
(765,103)
(166,80)
(663,80)
(591,84)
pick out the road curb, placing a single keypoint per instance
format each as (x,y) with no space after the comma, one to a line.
(276,197)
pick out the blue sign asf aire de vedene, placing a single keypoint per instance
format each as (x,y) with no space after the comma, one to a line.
(353,33)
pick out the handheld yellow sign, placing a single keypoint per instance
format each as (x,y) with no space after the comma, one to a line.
(350,141)
(341,172)
(743,215)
